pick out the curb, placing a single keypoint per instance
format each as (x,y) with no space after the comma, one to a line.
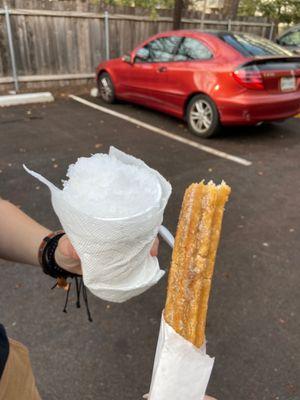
(27,98)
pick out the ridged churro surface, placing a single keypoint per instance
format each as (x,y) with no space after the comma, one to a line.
(193,259)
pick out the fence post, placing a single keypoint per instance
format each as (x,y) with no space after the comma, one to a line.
(203,14)
(106,24)
(229,25)
(11,48)
(271,31)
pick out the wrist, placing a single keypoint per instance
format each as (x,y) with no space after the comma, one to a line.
(47,258)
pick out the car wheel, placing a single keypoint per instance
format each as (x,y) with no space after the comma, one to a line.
(202,116)
(106,88)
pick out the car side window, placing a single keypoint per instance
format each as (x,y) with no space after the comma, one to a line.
(159,50)
(192,49)
(291,39)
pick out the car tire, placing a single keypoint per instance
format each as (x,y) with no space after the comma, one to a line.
(202,116)
(106,88)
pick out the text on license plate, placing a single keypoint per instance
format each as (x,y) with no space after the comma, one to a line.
(288,83)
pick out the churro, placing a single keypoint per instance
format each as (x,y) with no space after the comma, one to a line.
(193,259)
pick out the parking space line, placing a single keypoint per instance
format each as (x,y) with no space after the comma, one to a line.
(163,132)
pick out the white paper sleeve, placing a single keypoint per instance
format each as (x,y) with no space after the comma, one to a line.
(181,371)
(114,253)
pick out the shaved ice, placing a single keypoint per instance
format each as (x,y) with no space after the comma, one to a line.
(104,187)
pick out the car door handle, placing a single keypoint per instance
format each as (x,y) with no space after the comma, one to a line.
(162,69)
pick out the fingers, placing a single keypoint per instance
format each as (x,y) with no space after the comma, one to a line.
(154,249)
(67,249)
(66,256)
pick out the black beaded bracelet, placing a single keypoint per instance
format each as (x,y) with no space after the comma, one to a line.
(47,261)
(47,257)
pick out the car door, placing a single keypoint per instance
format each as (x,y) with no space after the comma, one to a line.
(192,62)
(146,81)
(291,40)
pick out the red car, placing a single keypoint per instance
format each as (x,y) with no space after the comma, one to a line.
(208,79)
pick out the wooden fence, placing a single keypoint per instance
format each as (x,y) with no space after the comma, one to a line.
(63,45)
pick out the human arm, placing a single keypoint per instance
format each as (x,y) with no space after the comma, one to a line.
(21,236)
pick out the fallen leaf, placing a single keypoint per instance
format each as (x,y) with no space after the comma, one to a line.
(291,388)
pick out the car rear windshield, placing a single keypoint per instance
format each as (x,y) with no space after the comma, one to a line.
(252,46)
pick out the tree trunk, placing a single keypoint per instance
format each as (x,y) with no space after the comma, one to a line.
(178,7)
(230,8)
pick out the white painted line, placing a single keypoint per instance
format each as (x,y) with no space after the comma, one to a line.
(163,132)
(27,98)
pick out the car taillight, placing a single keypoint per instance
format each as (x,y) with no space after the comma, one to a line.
(249,77)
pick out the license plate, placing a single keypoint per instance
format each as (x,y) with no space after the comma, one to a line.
(288,83)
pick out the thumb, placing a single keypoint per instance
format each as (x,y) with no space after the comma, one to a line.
(67,249)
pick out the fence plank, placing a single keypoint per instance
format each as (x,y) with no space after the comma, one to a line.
(66,38)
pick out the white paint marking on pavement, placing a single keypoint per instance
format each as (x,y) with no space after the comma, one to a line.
(163,132)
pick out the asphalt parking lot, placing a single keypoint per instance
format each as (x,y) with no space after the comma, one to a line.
(253,322)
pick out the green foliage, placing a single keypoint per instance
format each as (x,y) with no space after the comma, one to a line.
(287,11)
(149,4)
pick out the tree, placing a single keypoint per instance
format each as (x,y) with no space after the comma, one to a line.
(230,8)
(287,11)
(178,6)
(151,5)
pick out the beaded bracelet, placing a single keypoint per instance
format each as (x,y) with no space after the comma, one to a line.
(46,256)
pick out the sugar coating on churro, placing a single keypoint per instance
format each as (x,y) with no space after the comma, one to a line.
(193,259)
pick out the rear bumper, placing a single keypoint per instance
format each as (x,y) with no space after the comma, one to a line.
(252,108)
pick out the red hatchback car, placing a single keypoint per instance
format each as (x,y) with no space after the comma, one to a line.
(208,79)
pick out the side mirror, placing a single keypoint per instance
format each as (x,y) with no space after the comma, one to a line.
(127,58)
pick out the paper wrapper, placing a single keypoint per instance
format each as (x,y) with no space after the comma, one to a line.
(181,371)
(115,253)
